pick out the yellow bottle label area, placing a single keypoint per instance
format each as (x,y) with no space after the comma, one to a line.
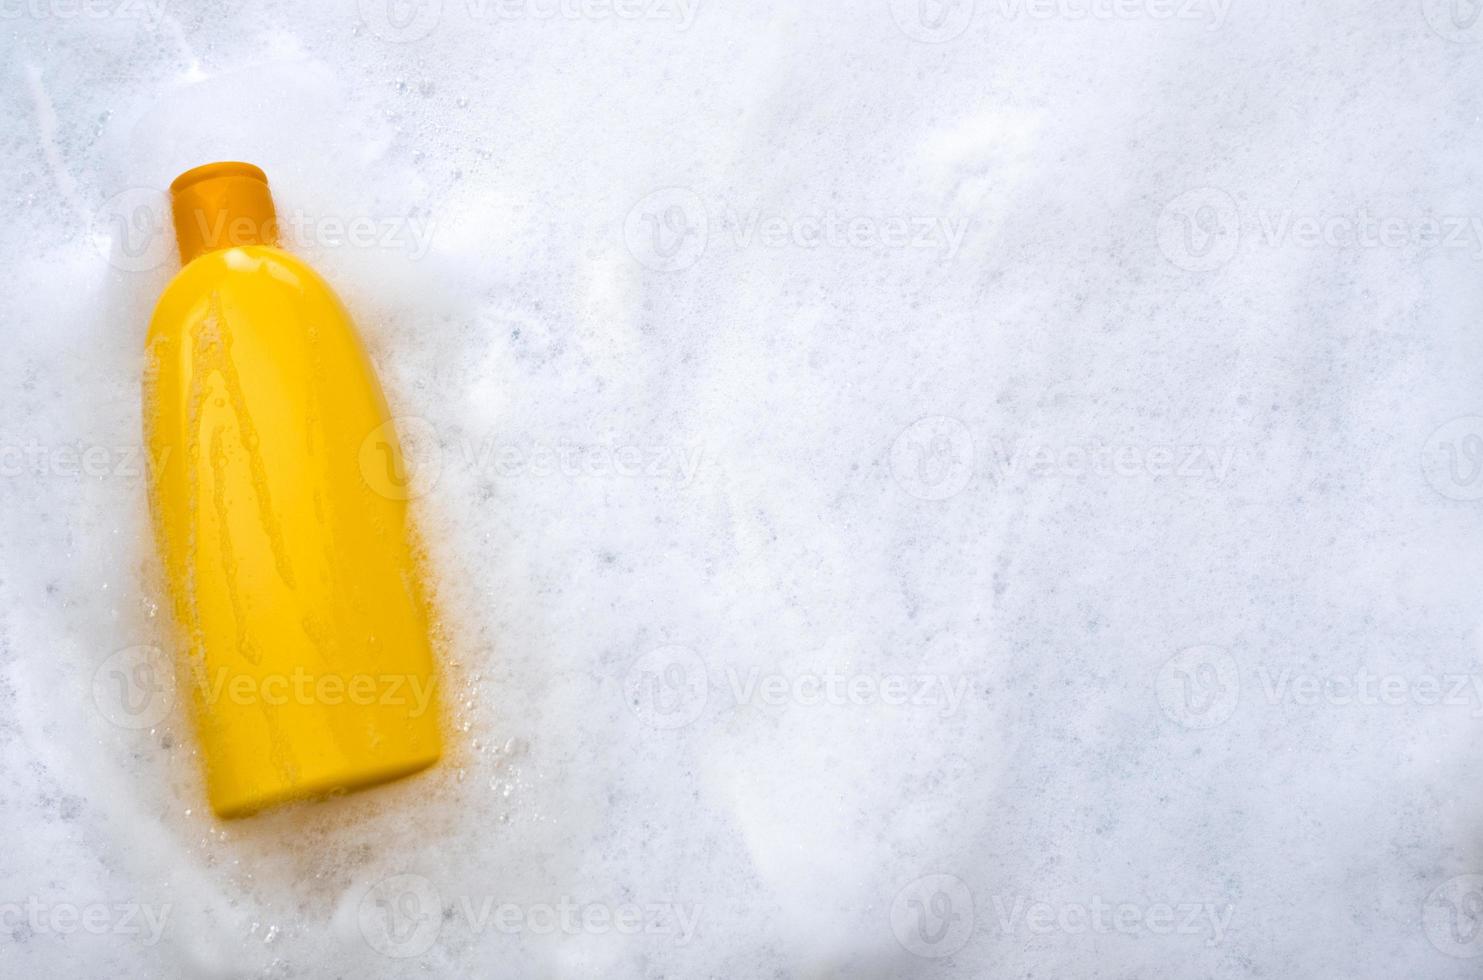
(289,562)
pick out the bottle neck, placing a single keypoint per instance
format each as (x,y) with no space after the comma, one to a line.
(222,205)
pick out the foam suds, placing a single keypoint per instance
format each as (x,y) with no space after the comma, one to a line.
(907,489)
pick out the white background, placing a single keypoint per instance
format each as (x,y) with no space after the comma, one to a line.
(911,490)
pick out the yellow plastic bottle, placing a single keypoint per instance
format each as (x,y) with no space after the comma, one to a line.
(280,511)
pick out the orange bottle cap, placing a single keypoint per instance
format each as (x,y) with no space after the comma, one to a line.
(222,205)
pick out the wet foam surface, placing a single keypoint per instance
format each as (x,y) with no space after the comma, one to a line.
(909,490)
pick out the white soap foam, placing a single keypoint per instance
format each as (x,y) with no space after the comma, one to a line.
(870,498)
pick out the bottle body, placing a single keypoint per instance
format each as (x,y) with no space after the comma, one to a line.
(284,535)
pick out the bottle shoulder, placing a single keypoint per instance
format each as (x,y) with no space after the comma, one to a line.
(245,276)
(266,265)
